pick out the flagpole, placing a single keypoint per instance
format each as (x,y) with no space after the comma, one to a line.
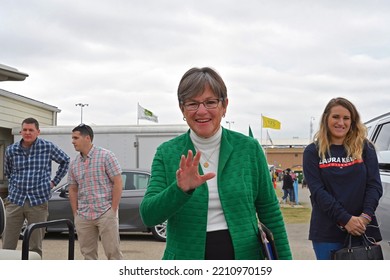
(261,130)
(137,113)
(265,145)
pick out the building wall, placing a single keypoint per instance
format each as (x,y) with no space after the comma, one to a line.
(284,157)
(14,108)
(6,139)
(13,112)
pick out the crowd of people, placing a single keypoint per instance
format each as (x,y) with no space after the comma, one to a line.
(211,184)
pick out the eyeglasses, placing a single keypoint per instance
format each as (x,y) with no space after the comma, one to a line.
(208,104)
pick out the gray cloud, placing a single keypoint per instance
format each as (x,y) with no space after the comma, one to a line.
(282,59)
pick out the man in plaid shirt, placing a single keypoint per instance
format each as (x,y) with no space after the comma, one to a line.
(28,166)
(95,189)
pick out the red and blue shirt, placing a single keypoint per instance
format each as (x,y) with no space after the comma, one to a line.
(92,175)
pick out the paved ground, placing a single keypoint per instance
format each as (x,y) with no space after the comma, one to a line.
(298,234)
(144,247)
(136,246)
(140,246)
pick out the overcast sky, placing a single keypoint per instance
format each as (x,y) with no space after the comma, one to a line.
(282,59)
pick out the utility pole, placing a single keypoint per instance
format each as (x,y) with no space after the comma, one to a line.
(311,128)
(229,123)
(82,105)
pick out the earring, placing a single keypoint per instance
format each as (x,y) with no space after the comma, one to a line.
(184,119)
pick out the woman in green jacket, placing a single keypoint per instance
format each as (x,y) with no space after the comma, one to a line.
(211,184)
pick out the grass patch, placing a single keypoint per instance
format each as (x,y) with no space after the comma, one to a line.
(296,215)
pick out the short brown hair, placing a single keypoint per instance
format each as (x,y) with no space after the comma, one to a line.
(84,130)
(31,121)
(194,82)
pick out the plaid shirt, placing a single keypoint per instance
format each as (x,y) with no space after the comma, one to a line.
(29,171)
(93,176)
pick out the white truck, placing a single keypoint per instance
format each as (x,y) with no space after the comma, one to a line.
(378,130)
(133,145)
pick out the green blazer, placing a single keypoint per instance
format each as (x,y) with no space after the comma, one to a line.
(245,189)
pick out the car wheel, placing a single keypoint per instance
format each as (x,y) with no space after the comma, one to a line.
(160,232)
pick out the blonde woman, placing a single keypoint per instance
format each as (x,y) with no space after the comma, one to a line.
(341,170)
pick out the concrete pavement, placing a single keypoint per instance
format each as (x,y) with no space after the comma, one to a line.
(298,234)
(143,246)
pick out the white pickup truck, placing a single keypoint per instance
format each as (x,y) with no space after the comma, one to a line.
(379,133)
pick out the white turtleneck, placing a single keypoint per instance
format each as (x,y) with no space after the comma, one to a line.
(209,148)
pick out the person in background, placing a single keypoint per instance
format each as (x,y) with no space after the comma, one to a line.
(293,175)
(304,184)
(295,178)
(274,178)
(342,173)
(211,184)
(28,165)
(95,189)
(288,187)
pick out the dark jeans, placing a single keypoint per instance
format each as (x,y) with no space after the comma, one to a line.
(290,193)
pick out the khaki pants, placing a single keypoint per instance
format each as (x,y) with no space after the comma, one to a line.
(15,216)
(88,232)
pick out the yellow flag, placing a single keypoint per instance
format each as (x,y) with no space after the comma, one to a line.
(270,123)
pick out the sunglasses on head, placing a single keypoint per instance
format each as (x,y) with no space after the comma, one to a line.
(87,128)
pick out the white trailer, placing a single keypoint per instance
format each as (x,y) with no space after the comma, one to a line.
(134,145)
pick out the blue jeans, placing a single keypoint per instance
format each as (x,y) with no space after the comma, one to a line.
(323,250)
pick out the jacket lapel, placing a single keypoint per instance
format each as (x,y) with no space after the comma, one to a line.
(188,145)
(226,150)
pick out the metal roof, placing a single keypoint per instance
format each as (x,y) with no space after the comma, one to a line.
(28,100)
(8,73)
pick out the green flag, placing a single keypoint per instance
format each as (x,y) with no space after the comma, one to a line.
(250,132)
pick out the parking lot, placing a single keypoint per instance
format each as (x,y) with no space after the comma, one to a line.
(138,246)
(143,246)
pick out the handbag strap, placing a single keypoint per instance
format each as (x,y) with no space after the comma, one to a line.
(366,242)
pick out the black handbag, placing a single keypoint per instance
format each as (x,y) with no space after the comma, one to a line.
(267,243)
(366,251)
